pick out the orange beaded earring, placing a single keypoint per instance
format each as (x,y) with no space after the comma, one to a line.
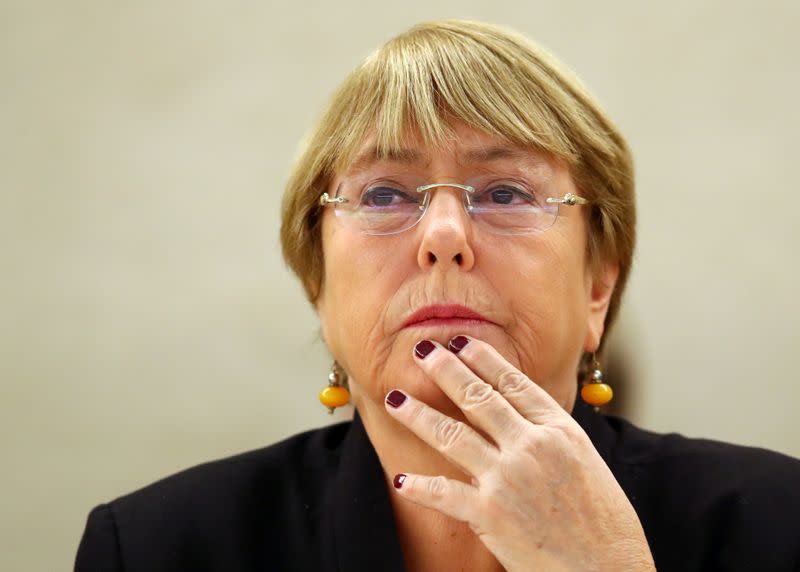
(335,395)
(594,391)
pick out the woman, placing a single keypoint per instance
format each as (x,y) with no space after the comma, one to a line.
(462,220)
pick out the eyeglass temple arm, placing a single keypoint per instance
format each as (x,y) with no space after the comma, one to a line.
(327,199)
(568,199)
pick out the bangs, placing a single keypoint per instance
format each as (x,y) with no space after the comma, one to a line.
(419,86)
(423,81)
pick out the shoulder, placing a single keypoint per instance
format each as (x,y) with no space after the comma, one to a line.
(710,463)
(291,463)
(716,503)
(226,503)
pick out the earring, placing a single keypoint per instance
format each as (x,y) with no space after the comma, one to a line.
(594,391)
(335,395)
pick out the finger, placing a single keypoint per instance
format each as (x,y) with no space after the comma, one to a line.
(455,440)
(528,398)
(483,406)
(449,496)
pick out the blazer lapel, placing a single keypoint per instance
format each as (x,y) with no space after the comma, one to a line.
(364,530)
(362,534)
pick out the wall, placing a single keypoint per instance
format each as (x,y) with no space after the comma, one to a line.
(148,323)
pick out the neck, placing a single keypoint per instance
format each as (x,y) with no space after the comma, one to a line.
(429,539)
(399,449)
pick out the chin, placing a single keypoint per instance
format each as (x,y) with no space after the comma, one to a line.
(443,331)
(424,389)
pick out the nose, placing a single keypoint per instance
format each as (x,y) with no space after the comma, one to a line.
(446,232)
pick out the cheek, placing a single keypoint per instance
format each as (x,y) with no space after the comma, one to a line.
(544,288)
(358,282)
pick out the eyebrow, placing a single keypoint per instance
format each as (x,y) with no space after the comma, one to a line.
(412,157)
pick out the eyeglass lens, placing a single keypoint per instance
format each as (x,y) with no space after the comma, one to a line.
(392,204)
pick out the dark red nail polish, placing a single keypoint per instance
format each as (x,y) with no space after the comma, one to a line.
(423,348)
(457,344)
(398,480)
(395,398)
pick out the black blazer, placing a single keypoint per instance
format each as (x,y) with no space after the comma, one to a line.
(319,501)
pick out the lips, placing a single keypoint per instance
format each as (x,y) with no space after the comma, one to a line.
(443,314)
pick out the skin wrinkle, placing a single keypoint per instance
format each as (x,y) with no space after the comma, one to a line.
(414,297)
(536,178)
(533,287)
(566,510)
(418,91)
(525,343)
(384,332)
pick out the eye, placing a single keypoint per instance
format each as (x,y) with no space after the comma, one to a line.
(504,194)
(385,196)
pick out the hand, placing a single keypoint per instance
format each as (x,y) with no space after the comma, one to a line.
(541,496)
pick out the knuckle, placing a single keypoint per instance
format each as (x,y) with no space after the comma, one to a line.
(494,501)
(492,508)
(477,393)
(448,432)
(511,381)
(531,442)
(437,487)
(415,415)
(573,434)
(547,441)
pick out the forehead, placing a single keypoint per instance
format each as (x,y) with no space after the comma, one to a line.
(468,147)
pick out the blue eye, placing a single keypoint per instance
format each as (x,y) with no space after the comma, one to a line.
(504,195)
(385,197)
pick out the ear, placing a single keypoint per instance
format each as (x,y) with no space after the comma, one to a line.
(600,288)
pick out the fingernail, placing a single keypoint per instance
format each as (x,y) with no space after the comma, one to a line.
(395,398)
(398,480)
(423,348)
(457,344)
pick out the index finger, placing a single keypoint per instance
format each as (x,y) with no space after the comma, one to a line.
(484,407)
(528,398)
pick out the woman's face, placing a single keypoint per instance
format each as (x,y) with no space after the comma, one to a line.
(540,303)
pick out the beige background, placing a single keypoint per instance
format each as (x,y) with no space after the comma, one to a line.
(148,324)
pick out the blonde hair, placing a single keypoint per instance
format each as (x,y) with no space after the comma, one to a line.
(490,78)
